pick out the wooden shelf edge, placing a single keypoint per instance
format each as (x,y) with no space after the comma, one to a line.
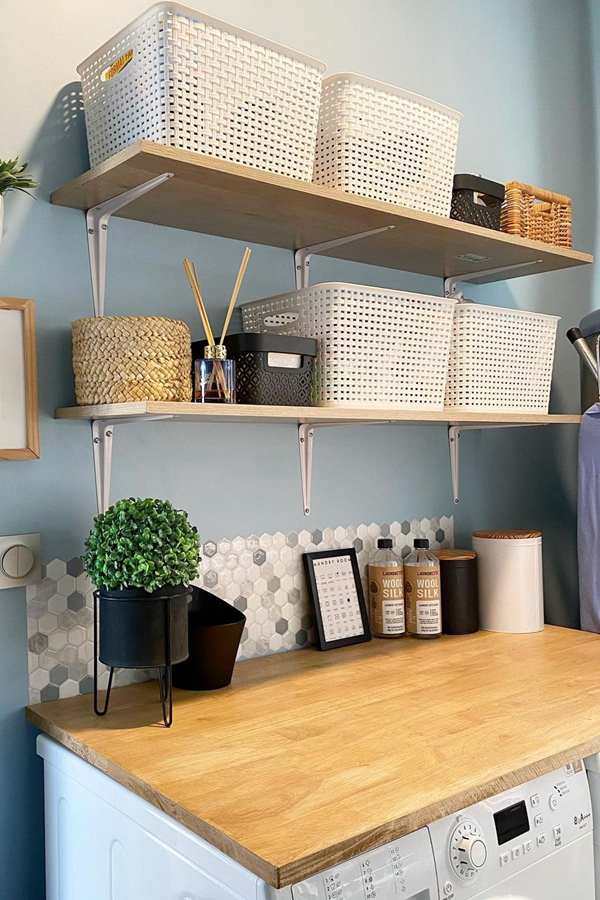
(316,211)
(302,414)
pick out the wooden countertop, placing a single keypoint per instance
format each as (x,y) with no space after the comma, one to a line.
(310,758)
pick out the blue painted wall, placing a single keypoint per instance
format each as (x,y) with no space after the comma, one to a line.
(522,75)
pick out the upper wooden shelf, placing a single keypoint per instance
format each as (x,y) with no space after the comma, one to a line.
(233,201)
(298,415)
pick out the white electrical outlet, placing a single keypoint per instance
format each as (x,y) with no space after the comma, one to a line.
(20,560)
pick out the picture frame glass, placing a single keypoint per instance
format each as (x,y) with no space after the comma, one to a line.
(336,594)
(13,406)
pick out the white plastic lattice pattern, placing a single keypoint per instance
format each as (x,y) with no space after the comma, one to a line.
(500,359)
(385,143)
(187,80)
(375,347)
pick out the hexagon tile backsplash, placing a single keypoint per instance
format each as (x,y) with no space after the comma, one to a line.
(260,575)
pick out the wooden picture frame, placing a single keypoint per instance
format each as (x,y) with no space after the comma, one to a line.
(336,595)
(19,412)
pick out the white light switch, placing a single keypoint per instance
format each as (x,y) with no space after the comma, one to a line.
(20,560)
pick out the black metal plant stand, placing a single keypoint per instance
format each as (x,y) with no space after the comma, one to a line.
(165,673)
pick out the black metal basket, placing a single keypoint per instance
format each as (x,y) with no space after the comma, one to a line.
(477,201)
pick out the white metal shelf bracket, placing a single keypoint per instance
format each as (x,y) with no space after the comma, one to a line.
(103,432)
(303,255)
(306,439)
(454,432)
(96,221)
(450,289)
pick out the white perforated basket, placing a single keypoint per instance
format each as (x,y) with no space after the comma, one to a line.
(185,79)
(375,347)
(382,142)
(500,359)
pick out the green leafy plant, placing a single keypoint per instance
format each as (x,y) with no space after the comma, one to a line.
(13,177)
(142,544)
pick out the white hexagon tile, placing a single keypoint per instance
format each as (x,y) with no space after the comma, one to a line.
(261,575)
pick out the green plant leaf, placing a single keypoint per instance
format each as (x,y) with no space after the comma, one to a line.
(142,544)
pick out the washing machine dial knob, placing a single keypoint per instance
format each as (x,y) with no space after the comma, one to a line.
(468,850)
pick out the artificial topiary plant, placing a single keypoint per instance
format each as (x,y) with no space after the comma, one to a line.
(142,544)
(13,177)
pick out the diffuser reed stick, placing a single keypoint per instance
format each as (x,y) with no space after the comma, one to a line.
(190,271)
(236,290)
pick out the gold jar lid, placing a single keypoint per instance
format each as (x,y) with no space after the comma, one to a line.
(215,351)
(507,535)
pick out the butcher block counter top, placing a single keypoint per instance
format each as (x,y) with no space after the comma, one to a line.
(310,758)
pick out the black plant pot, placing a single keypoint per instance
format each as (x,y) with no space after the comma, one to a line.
(134,626)
(215,631)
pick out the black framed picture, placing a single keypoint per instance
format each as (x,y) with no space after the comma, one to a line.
(337,598)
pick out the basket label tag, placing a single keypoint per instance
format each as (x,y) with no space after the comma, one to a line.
(117,66)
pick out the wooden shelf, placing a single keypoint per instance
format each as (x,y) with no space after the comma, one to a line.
(233,201)
(299,415)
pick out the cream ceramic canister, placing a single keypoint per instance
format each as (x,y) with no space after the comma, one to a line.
(509,574)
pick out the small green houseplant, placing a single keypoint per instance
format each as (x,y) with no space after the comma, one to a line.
(142,555)
(13,178)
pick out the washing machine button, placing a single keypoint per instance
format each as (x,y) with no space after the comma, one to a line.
(534,800)
(553,801)
(504,859)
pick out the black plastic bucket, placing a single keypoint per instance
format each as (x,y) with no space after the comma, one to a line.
(214,633)
(133,626)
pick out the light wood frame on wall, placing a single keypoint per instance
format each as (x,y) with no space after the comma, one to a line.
(32,450)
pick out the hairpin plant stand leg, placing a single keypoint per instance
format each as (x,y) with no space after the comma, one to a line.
(97,710)
(165,678)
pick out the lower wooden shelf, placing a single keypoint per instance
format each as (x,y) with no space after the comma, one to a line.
(299,415)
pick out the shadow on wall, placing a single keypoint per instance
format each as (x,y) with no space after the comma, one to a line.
(59,152)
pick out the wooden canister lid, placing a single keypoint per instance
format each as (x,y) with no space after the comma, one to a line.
(507,535)
(455,554)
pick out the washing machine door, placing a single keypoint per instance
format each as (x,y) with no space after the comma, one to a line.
(566,873)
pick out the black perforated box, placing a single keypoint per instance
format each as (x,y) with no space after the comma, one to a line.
(261,377)
(477,201)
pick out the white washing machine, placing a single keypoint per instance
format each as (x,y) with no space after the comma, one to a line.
(105,843)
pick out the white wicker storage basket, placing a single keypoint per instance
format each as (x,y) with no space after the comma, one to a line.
(500,359)
(185,79)
(385,143)
(375,347)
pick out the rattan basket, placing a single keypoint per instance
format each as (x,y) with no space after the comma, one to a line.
(122,359)
(534,213)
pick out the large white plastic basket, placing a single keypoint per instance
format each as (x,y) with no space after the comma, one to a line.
(385,143)
(500,359)
(375,347)
(185,79)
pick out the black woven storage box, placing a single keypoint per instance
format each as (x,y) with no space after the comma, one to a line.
(271,369)
(477,201)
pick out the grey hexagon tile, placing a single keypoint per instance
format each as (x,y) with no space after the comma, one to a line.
(259,557)
(75,601)
(292,539)
(66,619)
(84,616)
(317,536)
(77,671)
(357,543)
(241,603)
(38,642)
(440,535)
(301,637)
(59,674)
(49,692)
(86,685)
(281,626)
(75,566)
(56,569)
(210,579)
(209,549)
(68,655)
(273,583)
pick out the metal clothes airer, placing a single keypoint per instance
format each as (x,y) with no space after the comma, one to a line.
(588,495)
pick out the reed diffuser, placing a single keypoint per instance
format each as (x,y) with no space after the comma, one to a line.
(214,376)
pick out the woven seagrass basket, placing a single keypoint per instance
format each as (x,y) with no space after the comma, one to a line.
(122,359)
(534,213)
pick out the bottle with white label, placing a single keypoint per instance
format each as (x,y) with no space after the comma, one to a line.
(386,591)
(422,592)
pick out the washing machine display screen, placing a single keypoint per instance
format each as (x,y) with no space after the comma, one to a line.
(511,822)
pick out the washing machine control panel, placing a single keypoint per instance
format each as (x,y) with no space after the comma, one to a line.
(481,846)
(401,869)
